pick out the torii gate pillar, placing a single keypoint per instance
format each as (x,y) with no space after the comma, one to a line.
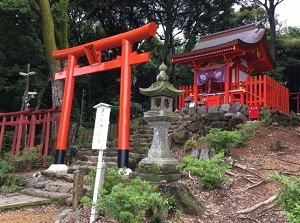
(93,51)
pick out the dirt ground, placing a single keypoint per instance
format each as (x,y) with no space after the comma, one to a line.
(248,185)
(34,214)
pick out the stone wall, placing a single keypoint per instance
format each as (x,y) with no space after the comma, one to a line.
(197,121)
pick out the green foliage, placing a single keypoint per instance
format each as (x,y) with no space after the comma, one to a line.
(220,140)
(112,177)
(247,131)
(10,185)
(265,114)
(26,156)
(29,154)
(289,196)
(277,74)
(189,144)
(143,149)
(129,202)
(7,141)
(211,171)
(5,167)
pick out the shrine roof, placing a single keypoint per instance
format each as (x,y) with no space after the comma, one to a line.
(248,38)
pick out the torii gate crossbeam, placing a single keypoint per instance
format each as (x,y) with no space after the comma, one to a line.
(93,52)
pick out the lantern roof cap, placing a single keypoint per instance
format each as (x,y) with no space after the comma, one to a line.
(161,87)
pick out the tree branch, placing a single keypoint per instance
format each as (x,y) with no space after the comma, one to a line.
(247,210)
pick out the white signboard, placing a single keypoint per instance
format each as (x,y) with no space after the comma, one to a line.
(101,126)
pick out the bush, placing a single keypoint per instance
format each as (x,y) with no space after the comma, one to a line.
(265,114)
(289,196)
(247,131)
(211,171)
(129,202)
(10,185)
(5,167)
(189,144)
(112,177)
(7,141)
(220,140)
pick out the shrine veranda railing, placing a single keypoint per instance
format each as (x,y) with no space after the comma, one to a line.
(28,121)
(260,91)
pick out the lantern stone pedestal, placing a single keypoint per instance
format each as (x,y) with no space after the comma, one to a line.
(159,165)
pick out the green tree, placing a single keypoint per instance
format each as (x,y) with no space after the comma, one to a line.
(54,22)
(288,59)
(269,6)
(20,45)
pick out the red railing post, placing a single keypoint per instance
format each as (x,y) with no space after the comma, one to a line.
(2,131)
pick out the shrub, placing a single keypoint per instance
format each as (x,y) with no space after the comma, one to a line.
(129,202)
(265,114)
(220,140)
(247,131)
(5,167)
(211,171)
(10,185)
(7,141)
(289,196)
(189,144)
(29,154)
(112,177)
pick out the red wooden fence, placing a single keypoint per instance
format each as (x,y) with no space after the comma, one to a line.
(188,90)
(28,120)
(266,92)
(260,91)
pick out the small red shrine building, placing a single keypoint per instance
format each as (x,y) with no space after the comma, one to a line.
(229,67)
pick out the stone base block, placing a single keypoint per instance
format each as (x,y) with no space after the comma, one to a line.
(157,177)
(160,166)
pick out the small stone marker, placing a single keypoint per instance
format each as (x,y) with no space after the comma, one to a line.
(77,189)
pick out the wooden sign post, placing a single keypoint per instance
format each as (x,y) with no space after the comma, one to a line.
(99,143)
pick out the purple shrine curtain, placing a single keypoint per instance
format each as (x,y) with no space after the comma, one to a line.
(216,75)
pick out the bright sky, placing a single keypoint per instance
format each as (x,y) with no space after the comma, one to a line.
(289,11)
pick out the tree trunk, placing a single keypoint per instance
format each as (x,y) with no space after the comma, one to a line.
(43,9)
(271,12)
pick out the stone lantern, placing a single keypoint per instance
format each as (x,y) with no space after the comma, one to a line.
(159,165)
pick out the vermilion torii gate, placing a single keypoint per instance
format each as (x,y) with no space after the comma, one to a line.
(93,52)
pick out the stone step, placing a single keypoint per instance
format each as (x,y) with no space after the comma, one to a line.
(141,136)
(17,200)
(84,168)
(110,159)
(137,146)
(140,140)
(110,152)
(148,131)
(94,159)
(63,198)
(111,164)
(58,175)
(59,186)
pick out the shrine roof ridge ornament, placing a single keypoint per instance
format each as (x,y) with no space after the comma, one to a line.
(111,42)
